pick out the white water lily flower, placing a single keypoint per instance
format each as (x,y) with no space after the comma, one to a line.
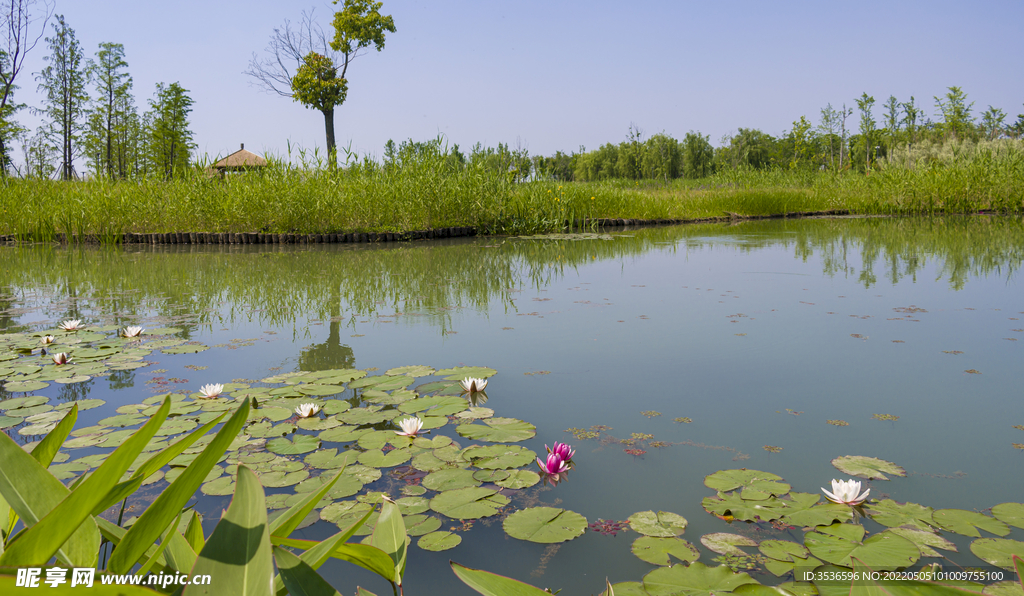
(845,492)
(410,427)
(307,410)
(471,385)
(71,325)
(61,358)
(47,339)
(132,331)
(212,390)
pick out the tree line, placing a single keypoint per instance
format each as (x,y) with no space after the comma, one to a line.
(844,139)
(88,108)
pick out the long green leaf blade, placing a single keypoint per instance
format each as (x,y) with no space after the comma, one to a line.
(317,555)
(171,531)
(492,584)
(299,577)
(389,536)
(32,493)
(155,518)
(286,523)
(43,539)
(237,557)
(366,556)
(50,445)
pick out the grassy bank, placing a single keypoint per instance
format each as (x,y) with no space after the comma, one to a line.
(429,190)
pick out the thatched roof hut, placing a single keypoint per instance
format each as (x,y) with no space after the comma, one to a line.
(239,161)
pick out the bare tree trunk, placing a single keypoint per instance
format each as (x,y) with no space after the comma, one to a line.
(331,146)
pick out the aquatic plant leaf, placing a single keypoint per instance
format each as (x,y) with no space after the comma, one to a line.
(724,543)
(413,490)
(367,415)
(892,514)
(519,479)
(413,505)
(315,423)
(298,577)
(1010,513)
(318,390)
(819,514)
(436,405)
(443,480)
(968,522)
(466,503)
(225,485)
(365,474)
(499,457)
(281,479)
(23,402)
(783,550)
(461,372)
(344,434)
(384,398)
(326,459)
(432,443)
(731,505)
(756,485)
(418,525)
(186,349)
(438,541)
(489,584)
(300,444)
(840,543)
(695,578)
(498,430)
(412,371)
(871,468)
(265,430)
(376,458)
(433,386)
(546,525)
(664,551)
(336,406)
(662,523)
(475,412)
(24,386)
(925,540)
(340,511)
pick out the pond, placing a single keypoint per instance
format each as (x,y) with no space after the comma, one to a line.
(774,345)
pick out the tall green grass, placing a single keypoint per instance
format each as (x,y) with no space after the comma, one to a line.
(428,189)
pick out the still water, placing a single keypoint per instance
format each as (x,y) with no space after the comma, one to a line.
(756,333)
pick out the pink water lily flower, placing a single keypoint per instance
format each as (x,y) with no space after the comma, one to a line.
(562,450)
(553,465)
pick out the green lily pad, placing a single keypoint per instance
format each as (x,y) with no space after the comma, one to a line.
(186,349)
(724,543)
(998,551)
(367,415)
(315,423)
(377,439)
(83,404)
(428,462)
(265,430)
(443,480)
(732,506)
(476,413)
(433,386)
(925,541)
(376,458)
(413,490)
(663,551)
(892,514)
(225,485)
(285,446)
(1010,513)
(344,434)
(412,371)
(413,505)
(319,390)
(546,525)
(436,405)
(9,421)
(438,541)
(968,522)
(327,459)
(433,443)
(280,479)
(28,411)
(344,513)
(783,550)
(23,402)
(871,468)
(399,396)
(24,386)
(461,372)
(498,430)
(499,457)
(418,525)
(491,475)
(841,543)
(695,578)
(757,486)
(519,479)
(662,523)
(468,503)
(72,379)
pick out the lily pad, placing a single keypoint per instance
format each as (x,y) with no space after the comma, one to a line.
(468,503)
(318,390)
(399,396)
(367,415)
(23,402)
(662,523)
(731,506)
(499,457)
(725,543)
(413,505)
(280,479)
(695,578)
(968,522)
(926,541)
(461,372)
(1010,513)
(519,479)
(436,405)
(498,430)
(663,551)
(224,485)
(871,468)
(841,543)
(892,514)
(412,371)
(998,551)
(285,446)
(327,459)
(438,541)
(344,434)
(757,486)
(186,349)
(546,525)
(376,458)
(24,386)
(418,525)
(443,480)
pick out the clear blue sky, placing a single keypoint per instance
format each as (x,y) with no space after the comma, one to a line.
(554,75)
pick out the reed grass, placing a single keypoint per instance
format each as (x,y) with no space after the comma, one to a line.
(430,190)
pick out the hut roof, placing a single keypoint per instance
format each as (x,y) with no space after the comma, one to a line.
(241,159)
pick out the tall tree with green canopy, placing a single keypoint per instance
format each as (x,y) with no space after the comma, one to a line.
(18,21)
(956,113)
(892,123)
(63,82)
(867,126)
(111,110)
(168,134)
(322,77)
(992,121)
